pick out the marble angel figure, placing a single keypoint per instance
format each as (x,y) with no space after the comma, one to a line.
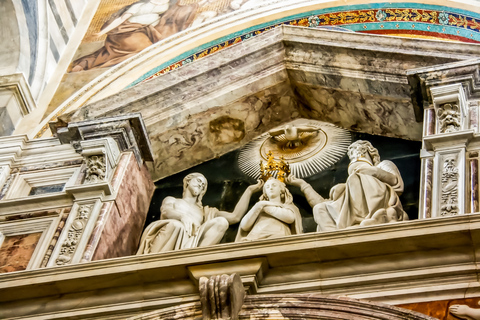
(187,223)
(273,216)
(369,196)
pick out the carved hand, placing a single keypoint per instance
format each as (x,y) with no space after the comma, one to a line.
(189,225)
(294,181)
(256,187)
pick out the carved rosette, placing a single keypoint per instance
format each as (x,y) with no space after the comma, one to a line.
(449,118)
(96,169)
(74,234)
(449,195)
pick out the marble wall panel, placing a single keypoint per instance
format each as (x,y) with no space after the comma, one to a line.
(361,113)
(440,309)
(124,226)
(16,251)
(219,130)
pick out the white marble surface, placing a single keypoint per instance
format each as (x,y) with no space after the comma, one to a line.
(407,262)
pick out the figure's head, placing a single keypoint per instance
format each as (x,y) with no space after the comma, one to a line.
(449,118)
(196,184)
(275,188)
(363,149)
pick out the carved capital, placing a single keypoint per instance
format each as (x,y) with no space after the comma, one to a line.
(221,296)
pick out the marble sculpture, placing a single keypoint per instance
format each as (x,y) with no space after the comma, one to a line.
(464,312)
(273,216)
(186,223)
(368,197)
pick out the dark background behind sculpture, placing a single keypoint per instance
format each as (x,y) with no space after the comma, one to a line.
(226,182)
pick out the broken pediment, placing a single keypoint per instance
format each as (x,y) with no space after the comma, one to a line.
(219,103)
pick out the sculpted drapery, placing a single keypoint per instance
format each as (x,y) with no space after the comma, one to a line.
(273,216)
(186,223)
(369,196)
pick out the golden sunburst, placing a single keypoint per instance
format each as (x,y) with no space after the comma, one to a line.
(317,146)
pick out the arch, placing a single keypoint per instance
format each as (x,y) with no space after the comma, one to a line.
(296,306)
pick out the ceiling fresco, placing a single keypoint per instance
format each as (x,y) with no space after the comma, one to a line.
(117,34)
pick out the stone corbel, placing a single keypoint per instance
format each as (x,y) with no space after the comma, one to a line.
(222,297)
(251,271)
(450,105)
(128,131)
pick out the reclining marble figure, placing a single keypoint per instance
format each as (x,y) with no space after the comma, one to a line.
(273,216)
(368,197)
(186,223)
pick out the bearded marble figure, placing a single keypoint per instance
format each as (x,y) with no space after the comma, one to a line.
(369,196)
(187,223)
(273,216)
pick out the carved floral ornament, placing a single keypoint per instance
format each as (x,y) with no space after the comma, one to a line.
(74,234)
(449,195)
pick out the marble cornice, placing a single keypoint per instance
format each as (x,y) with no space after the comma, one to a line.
(393,263)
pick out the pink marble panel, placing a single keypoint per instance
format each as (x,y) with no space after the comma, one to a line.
(123,228)
(16,251)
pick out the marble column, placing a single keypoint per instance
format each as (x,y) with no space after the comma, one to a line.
(426,191)
(473,166)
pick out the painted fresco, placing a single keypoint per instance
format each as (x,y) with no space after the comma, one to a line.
(125,27)
(122,28)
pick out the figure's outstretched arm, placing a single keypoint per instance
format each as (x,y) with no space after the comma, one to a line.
(380,174)
(312,196)
(282,214)
(242,205)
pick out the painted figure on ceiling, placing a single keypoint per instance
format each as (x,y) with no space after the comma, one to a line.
(134,28)
(186,223)
(273,216)
(369,196)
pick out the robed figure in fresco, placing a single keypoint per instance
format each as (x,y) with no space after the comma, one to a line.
(369,196)
(273,216)
(136,27)
(187,223)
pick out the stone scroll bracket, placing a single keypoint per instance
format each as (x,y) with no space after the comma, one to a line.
(221,296)
(251,271)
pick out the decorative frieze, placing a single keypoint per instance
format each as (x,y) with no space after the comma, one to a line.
(74,234)
(449,192)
